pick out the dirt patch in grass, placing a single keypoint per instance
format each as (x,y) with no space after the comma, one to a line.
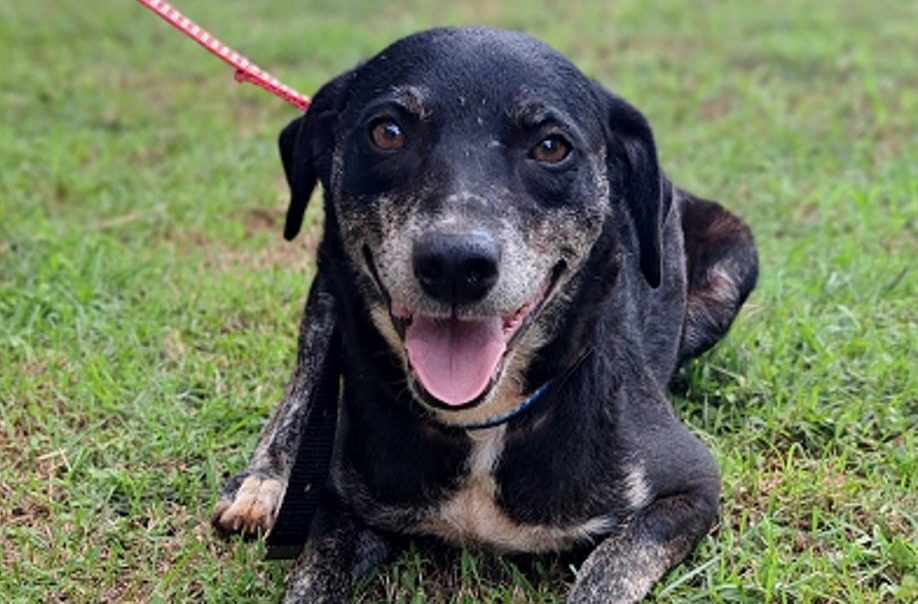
(264,219)
(298,255)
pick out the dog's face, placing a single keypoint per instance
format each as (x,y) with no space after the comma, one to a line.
(471,172)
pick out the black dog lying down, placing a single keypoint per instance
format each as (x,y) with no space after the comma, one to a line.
(506,284)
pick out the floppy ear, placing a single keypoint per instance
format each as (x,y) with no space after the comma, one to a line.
(647,193)
(300,173)
(306,146)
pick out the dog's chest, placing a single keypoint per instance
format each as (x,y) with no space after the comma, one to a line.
(472,515)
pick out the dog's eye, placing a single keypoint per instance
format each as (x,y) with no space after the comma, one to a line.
(387,135)
(550,150)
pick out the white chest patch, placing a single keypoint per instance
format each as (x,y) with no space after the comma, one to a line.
(472,517)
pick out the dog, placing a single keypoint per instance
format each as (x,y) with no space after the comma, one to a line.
(506,283)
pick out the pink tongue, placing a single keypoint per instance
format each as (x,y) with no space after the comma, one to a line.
(455,359)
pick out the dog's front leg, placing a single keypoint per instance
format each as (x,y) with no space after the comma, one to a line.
(342,551)
(625,566)
(250,500)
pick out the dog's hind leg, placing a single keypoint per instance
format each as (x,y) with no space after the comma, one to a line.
(250,500)
(722,268)
(342,551)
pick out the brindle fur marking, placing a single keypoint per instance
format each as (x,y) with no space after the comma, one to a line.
(722,267)
(343,550)
(251,499)
(624,567)
(647,276)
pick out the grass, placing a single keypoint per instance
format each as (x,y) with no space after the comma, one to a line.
(148,306)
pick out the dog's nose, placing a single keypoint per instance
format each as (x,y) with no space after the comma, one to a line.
(456,269)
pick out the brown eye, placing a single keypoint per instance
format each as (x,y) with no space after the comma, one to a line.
(388,135)
(550,150)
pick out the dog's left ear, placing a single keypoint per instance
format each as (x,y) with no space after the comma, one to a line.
(632,155)
(306,147)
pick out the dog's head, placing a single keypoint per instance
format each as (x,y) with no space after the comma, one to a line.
(471,172)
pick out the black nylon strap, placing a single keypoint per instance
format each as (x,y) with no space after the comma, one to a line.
(309,474)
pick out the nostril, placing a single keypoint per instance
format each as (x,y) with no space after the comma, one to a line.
(429,269)
(480,272)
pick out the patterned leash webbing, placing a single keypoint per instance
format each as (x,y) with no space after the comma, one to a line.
(246,71)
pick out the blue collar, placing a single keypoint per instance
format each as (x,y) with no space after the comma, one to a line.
(506,417)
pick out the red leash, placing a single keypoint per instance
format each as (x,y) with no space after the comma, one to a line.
(246,71)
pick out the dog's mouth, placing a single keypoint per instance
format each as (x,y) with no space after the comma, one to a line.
(456,360)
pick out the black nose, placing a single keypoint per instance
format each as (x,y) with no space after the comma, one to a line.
(456,269)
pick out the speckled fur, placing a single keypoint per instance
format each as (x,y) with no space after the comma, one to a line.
(254,509)
(645,276)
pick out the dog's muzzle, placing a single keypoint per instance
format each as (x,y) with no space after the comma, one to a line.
(456,356)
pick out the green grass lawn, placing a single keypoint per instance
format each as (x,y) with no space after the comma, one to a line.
(148,305)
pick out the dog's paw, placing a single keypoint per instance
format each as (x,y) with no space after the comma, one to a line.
(249,508)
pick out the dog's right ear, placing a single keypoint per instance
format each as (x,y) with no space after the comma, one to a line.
(306,146)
